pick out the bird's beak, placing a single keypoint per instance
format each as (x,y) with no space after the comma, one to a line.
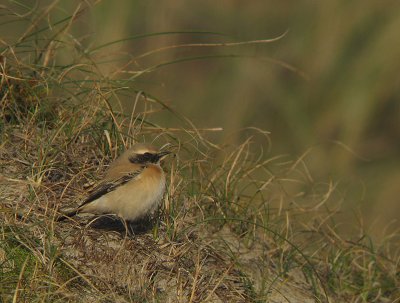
(163,154)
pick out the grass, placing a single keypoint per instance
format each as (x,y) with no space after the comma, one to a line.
(237,224)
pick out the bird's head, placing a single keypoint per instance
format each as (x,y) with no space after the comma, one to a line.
(142,153)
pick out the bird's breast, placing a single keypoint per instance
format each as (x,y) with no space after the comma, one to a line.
(141,195)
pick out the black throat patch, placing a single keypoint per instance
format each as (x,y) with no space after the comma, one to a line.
(144,158)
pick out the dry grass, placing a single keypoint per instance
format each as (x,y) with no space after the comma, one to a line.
(237,225)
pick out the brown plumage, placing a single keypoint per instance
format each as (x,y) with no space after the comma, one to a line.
(132,187)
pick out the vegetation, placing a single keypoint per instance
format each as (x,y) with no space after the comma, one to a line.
(237,224)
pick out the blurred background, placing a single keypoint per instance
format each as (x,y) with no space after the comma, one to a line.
(329,87)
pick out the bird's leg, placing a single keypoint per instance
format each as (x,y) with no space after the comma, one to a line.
(128,228)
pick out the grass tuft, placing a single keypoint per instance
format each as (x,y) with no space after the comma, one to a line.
(237,225)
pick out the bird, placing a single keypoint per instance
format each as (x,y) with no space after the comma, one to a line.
(132,187)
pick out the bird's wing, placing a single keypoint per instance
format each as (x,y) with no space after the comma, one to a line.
(110,185)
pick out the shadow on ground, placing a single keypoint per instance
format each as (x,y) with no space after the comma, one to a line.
(114,223)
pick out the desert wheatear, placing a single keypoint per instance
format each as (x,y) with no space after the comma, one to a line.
(132,187)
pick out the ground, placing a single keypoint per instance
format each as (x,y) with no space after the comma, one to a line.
(88,261)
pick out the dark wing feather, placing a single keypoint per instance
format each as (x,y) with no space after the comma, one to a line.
(102,189)
(108,186)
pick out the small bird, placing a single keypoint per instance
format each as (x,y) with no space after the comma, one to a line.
(132,187)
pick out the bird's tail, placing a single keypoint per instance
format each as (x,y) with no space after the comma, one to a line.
(67,215)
